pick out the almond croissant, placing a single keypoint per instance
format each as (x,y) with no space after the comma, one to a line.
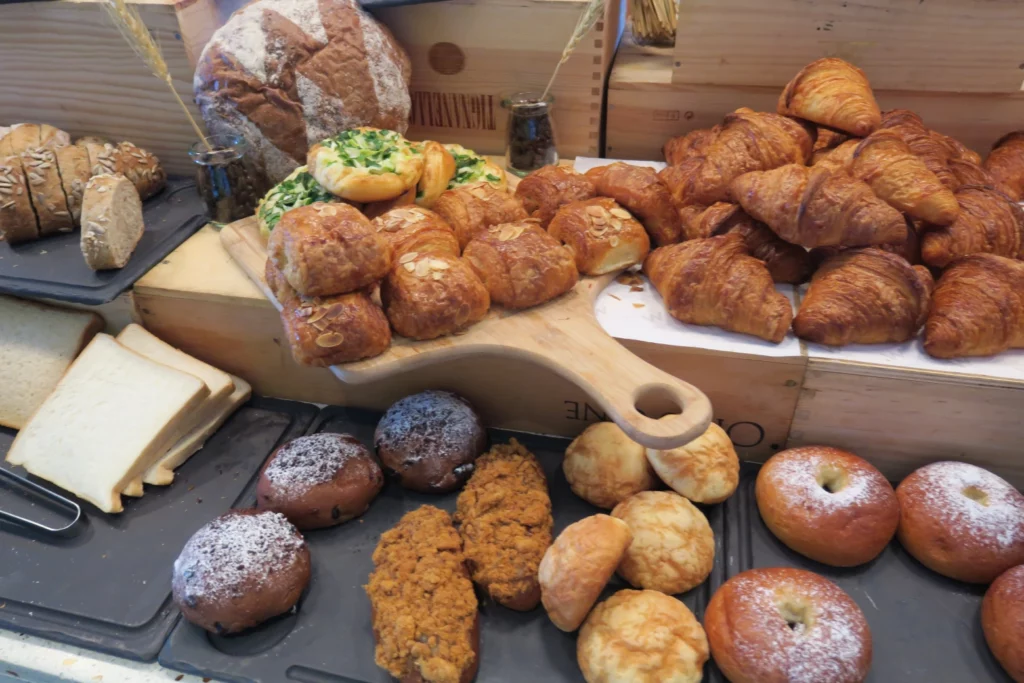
(787,263)
(864,296)
(989,222)
(815,207)
(832,93)
(1006,163)
(693,144)
(896,175)
(978,308)
(639,189)
(714,281)
(748,141)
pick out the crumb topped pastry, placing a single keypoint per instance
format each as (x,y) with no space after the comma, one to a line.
(425,618)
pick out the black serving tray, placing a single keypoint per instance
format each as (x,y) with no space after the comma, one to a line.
(329,639)
(108,586)
(54,268)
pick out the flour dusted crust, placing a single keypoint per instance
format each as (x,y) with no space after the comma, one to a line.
(366,164)
(285,74)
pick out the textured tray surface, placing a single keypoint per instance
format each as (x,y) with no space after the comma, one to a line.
(108,587)
(330,639)
(54,267)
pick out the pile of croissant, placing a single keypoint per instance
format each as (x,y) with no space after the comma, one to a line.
(870,207)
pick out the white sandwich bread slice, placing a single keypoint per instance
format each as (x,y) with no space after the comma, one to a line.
(162,473)
(37,344)
(112,415)
(219,383)
(112,222)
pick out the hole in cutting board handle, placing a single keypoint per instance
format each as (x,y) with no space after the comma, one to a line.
(657,400)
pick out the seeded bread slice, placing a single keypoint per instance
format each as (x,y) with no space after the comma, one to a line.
(102,158)
(142,168)
(20,136)
(17,219)
(51,206)
(111,221)
(73,164)
(53,137)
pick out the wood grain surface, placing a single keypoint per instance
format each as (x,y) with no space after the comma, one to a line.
(562,335)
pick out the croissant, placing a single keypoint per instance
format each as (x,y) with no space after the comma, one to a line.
(1006,163)
(643,194)
(829,138)
(957,150)
(989,222)
(815,207)
(909,249)
(970,173)
(864,296)
(895,174)
(714,281)
(832,93)
(693,144)
(748,141)
(837,159)
(933,152)
(978,308)
(787,263)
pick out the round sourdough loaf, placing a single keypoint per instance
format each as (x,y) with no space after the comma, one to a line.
(285,74)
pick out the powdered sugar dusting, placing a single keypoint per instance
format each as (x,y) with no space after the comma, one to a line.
(393,98)
(996,521)
(235,554)
(799,475)
(797,627)
(432,422)
(307,461)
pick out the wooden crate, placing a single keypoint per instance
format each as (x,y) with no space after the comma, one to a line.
(64,63)
(645,106)
(938,45)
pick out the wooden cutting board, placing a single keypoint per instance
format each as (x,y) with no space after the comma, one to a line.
(562,335)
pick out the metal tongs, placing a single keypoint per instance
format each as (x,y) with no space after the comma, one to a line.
(55,500)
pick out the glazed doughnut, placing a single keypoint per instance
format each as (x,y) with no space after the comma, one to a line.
(787,625)
(827,504)
(961,521)
(1002,620)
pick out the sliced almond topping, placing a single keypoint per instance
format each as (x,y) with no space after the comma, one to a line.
(617,224)
(620,213)
(409,266)
(614,241)
(519,230)
(595,210)
(598,220)
(328,210)
(422,268)
(329,340)
(415,216)
(409,256)
(438,264)
(321,324)
(507,233)
(335,311)
(320,312)
(437,275)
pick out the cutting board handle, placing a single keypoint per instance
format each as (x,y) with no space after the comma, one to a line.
(651,406)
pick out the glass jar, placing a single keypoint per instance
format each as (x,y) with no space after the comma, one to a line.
(222,178)
(531,133)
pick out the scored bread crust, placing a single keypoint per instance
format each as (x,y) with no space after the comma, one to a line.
(112,222)
(73,164)
(17,219)
(48,198)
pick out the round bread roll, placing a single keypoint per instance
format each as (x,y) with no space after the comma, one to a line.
(239,570)
(366,164)
(428,441)
(605,467)
(706,470)
(785,624)
(642,637)
(961,521)
(827,504)
(577,566)
(673,548)
(319,480)
(1002,620)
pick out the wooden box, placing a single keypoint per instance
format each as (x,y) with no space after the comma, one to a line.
(646,106)
(64,63)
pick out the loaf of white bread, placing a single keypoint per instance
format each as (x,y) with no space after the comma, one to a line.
(128,410)
(37,344)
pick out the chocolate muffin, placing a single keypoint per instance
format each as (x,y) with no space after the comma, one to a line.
(428,441)
(319,480)
(239,570)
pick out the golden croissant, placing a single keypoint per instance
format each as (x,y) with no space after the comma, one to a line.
(838,158)
(832,93)
(864,296)
(990,222)
(815,207)
(748,141)
(932,151)
(714,281)
(693,144)
(1006,163)
(978,308)
(828,138)
(896,175)
(787,263)
(643,194)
